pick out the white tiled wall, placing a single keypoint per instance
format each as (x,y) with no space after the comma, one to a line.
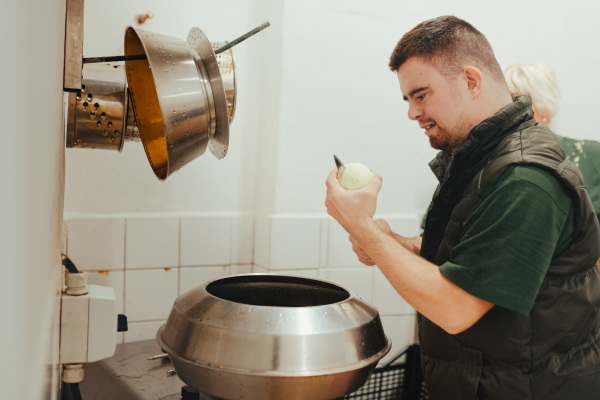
(97,244)
(206,240)
(151,260)
(150,293)
(151,242)
(295,243)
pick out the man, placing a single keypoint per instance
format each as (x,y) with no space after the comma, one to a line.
(503,278)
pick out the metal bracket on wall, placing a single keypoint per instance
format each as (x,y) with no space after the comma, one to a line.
(73,46)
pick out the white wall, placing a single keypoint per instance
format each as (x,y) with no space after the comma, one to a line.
(32,162)
(316,83)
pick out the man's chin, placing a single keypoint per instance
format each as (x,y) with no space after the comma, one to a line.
(433,143)
(437,146)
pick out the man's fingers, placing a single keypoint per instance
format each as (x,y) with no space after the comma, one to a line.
(376,183)
(363,257)
(367,261)
(332,179)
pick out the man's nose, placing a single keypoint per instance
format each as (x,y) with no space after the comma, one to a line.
(414,112)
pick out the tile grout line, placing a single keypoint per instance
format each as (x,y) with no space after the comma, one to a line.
(253,255)
(179,256)
(124,271)
(231,244)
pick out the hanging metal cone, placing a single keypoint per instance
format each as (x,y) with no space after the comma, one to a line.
(173,98)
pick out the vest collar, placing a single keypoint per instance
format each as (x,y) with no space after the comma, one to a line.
(485,136)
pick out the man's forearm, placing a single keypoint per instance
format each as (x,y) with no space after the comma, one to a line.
(418,281)
(411,244)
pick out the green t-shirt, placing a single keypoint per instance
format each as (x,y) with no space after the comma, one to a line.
(519,225)
(585,154)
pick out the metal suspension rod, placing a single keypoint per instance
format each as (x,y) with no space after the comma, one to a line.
(242,38)
(114,58)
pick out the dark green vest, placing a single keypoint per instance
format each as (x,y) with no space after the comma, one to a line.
(552,353)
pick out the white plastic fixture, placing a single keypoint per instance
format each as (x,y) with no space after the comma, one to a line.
(88,326)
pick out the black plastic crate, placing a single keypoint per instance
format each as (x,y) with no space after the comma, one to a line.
(396,380)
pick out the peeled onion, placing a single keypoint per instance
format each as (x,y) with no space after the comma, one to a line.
(355,176)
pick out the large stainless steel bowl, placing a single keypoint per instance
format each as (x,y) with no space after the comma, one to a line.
(261,337)
(178,97)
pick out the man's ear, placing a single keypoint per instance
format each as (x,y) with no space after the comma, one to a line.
(473,78)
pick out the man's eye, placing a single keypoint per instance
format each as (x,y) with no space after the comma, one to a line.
(421,97)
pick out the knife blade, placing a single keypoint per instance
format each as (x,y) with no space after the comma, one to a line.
(340,165)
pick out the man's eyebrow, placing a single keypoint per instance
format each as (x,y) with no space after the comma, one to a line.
(413,92)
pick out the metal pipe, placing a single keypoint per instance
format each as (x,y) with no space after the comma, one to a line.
(242,38)
(143,56)
(114,58)
(157,356)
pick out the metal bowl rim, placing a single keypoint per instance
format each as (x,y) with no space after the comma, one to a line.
(351,294)
(329,371)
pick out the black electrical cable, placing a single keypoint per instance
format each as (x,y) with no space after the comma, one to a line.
(70,391)
(65,392)
(66,261)
(75,391)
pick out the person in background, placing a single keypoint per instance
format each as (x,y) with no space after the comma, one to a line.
(504,278)
(538,80)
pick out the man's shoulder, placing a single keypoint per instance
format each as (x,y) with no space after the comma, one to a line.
(534,177)
(531,173)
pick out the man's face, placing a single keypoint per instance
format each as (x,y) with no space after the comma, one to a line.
(436,102)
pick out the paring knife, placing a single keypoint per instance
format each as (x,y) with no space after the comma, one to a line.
(340,165)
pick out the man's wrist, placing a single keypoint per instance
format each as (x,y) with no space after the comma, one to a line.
(364,228)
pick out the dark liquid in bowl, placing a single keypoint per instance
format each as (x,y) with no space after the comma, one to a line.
(277,291)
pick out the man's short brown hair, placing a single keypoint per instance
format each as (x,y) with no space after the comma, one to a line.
(448,43)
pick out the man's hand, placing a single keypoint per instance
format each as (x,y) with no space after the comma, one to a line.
(351,208)
(362,255)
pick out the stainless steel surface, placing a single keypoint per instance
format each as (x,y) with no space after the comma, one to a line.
(132,133)
(73,46)
(226,63)
(180,100)
(156,357)
(261,337)
(96,116)
(172,99)
(128,375)
(205,57)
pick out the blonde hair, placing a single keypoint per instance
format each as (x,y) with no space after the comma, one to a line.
(539,81)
